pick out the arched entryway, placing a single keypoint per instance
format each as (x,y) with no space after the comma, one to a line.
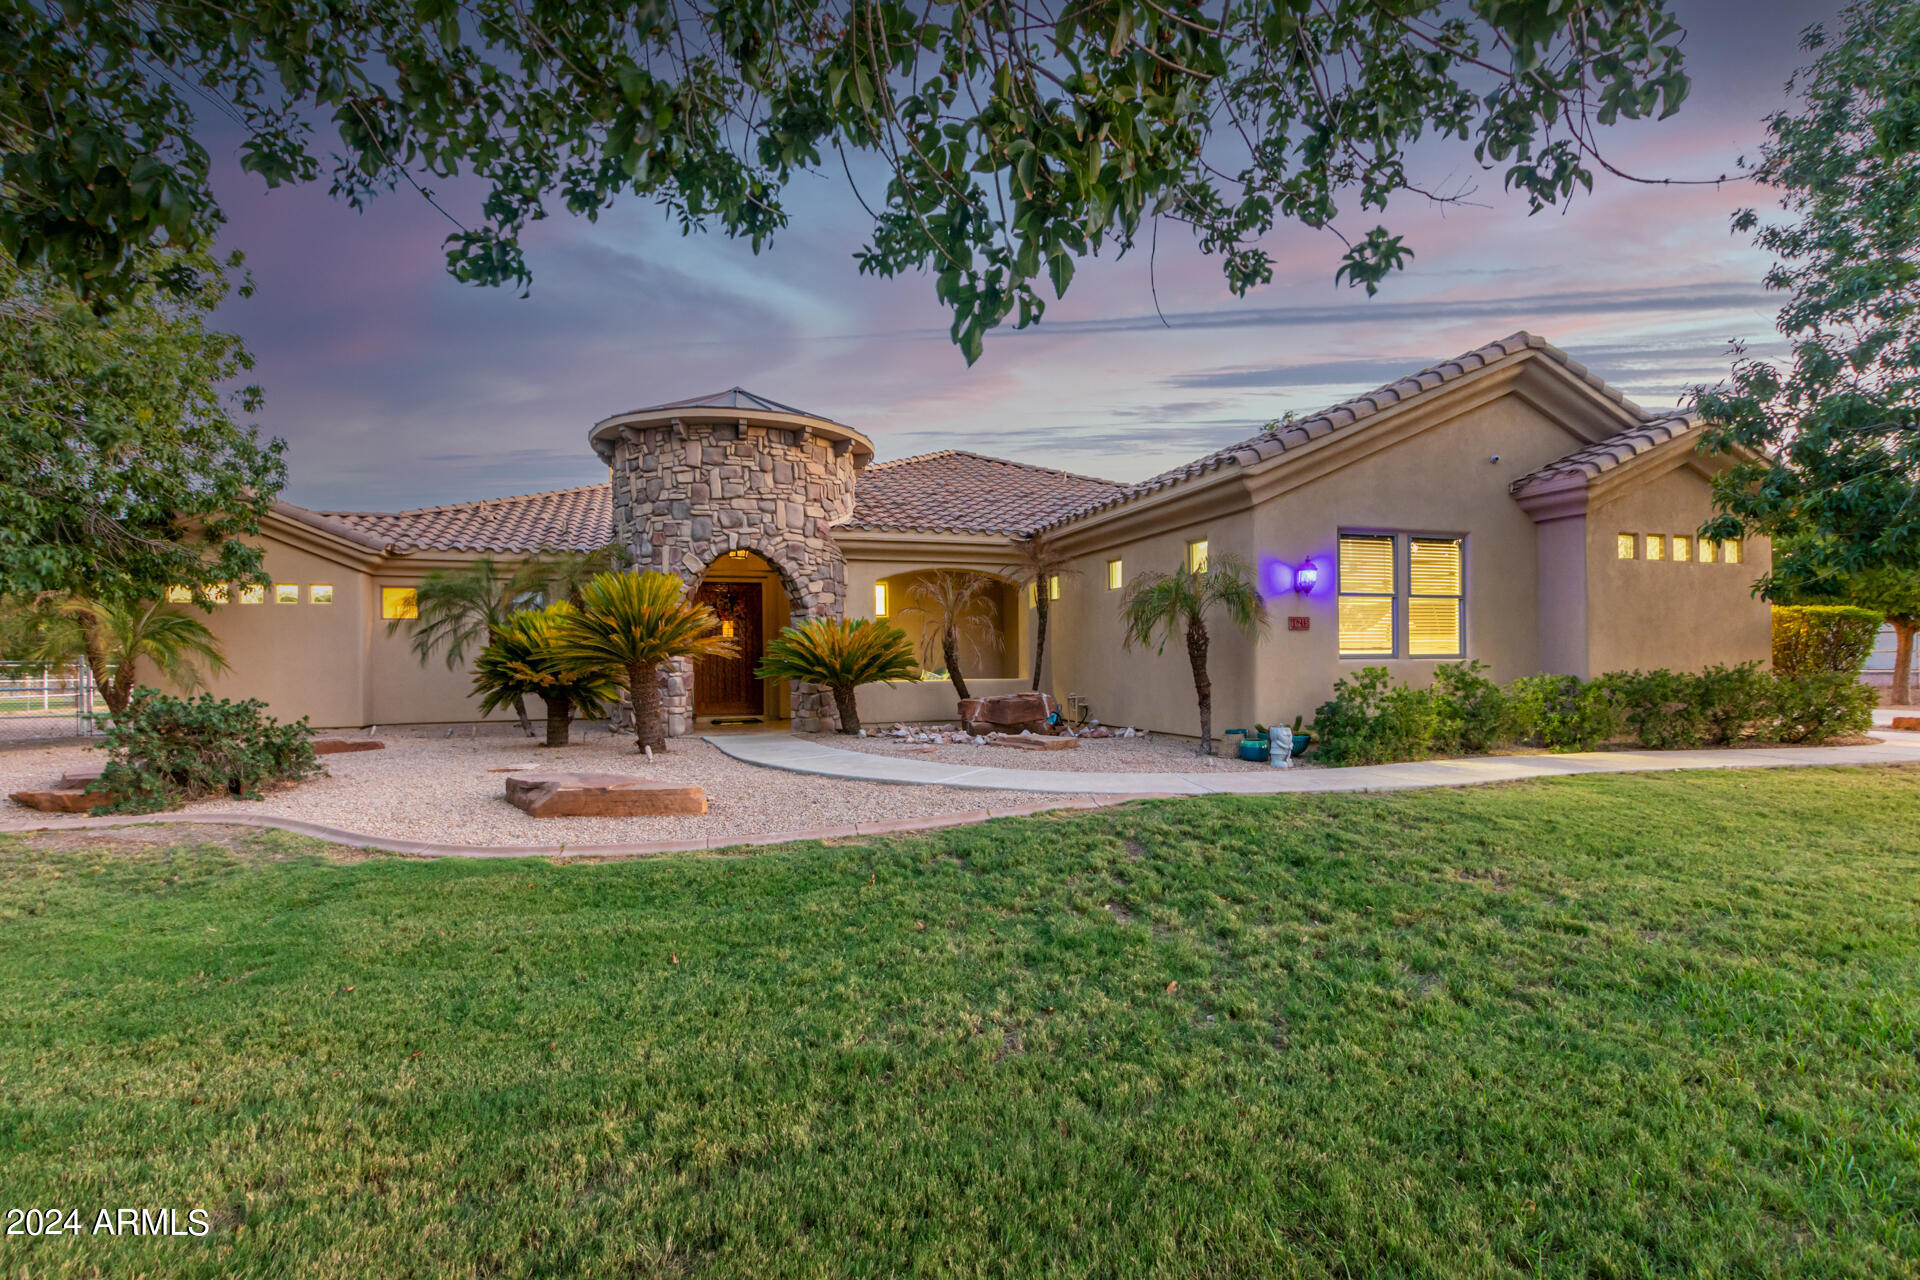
(753,602)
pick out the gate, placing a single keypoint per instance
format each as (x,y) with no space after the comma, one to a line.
(41,700)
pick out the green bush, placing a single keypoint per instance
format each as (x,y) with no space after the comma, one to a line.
(1823,637)
(1365,723)
(164,751)
(1474,714)
(1563,713)
(1820,705)
(1732,702)
(1660,708)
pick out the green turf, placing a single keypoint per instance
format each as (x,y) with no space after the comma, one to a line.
(1610,1026)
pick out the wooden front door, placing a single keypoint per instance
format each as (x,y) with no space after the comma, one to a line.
(726,686)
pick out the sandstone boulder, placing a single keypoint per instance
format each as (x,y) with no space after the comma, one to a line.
(1010,712)
(62,799)
(601,795)
(1905,722)
(337,746)
(82,778)
(1034,742)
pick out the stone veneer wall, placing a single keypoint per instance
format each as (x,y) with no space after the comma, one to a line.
(686,493)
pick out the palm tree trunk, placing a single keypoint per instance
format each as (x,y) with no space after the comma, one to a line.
(1039,631)
(1202,683)
(950,649)
(848,708)
(1901,694)
(559,717)
(115,689)
(520,709)
(643,682)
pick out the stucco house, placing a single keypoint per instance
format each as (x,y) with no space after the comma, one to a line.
(1507,506)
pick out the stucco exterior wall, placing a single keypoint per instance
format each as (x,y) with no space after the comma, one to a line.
(1644,614)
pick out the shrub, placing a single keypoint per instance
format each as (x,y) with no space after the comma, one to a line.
(841,655)
(1659,708)
(1732,702)
(1369,720)
(164,751)
(1474,714)
(1563,713)
(1823,638)
(1820,705)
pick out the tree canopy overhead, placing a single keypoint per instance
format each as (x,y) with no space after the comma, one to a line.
(1834,431)
(1021,135)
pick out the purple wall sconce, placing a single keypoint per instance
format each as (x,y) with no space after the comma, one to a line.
(1277,577)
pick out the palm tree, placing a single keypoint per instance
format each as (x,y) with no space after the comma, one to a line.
(841,655)
(116,638)
(524,661)
(468,608)
(635,622)
(1040,562)
(951,600)
(1162,602)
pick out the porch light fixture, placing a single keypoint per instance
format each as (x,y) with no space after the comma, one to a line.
(726,628)
(1306,577)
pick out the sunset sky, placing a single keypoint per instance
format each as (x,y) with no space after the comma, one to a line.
(395,386)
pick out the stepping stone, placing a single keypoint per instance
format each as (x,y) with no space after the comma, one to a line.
(1035,743)
(601,795)
(62,799)
(338,746)
(1905,722)
(82,778)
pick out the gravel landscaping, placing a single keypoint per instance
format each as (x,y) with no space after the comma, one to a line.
(427,786)
(1148,754)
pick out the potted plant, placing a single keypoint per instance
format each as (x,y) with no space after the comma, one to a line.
(1301,740)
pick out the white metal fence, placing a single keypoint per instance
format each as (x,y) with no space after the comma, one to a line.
(41,701)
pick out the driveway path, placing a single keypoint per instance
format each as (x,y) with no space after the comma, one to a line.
(804,755)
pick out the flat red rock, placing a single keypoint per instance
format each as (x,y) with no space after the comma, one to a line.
(62,799)
(1034,743)
(601,795)
(82,778)
(337,746)
(1905,722)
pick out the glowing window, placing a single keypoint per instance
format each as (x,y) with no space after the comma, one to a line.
(1053,587)
(879,599)
(179,595)
(1709,549)
(1626,546)
(1656,546)
(1730,551)
(1197,556)
(286,593)
(1366,596)
(1682,548)
(320,593)
(1113,575)
(1435,585)
(253,593)
(399,602)
(215,594)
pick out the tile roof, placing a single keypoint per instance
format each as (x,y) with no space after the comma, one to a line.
(955,491)
(1273,443)
(1595,460)
(563,519)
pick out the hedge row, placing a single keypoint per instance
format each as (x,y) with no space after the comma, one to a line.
(1372,720)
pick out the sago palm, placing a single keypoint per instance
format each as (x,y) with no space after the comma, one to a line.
(115,638)
(635,622)
(842,656)
(1039,562)
(1165,602)
(953,603)
(525,660)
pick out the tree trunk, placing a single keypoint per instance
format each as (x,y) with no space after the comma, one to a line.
(559,717)
(849,710)
(643,682)
(1901,695)
(1202,683)
(950,649)
(116,689)
(520,709)
(1039,630)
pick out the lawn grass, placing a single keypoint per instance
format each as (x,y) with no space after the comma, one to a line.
(1654,1025)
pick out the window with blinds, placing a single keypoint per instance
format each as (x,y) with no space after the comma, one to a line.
(1367,593)
(1402,596)
(1435,584)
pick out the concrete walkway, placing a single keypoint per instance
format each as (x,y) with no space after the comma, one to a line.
(804,755)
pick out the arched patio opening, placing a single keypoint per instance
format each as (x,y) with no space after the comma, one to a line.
(753,599)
